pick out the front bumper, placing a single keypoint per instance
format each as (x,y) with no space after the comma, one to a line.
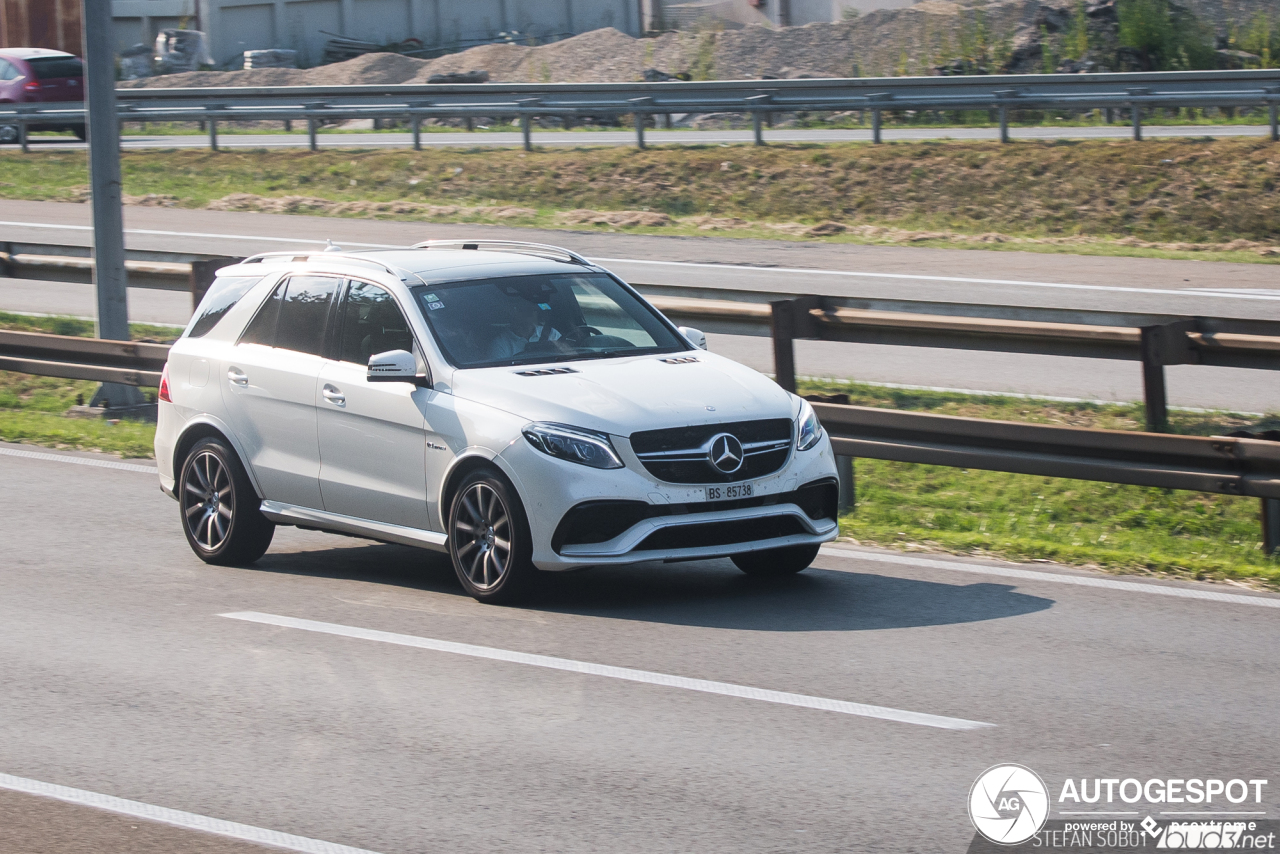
(551,488)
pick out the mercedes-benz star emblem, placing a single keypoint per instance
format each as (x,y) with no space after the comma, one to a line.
(725,454)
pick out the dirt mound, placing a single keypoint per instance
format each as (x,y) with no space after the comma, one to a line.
(373,69)
(313,205)
(648,219)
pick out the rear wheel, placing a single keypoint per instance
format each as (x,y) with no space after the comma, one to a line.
(774,563)
(489,539)
(8,134)
(220,510)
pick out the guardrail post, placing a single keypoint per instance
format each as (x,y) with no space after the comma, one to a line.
(783,327)
(22,135)
(758,117)
(1004,123)
(875,126)
(848,499)
(1273,112)
(1270,526)
(417,133)
(640,119)
(312,143)
(526,131)
(1136,108)
(213,128)
(1166,344)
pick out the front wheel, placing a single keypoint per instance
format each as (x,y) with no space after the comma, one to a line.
(220,510)
(8,134)
(774,563)
(489,539)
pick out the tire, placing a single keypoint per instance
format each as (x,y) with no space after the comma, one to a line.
(219,509)
(489,539)
(8,134)
(776,563)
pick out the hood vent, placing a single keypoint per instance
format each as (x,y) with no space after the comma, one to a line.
(545,372)
(679,360)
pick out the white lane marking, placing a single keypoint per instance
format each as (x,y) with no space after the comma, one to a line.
(1187,292)
(79,461)
(958,279)
(706,686)
(1053,577)
(177,818)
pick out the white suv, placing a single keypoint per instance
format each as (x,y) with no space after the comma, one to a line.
(511,404)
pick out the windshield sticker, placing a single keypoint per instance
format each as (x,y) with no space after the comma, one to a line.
(432,298)
(435,305)
(544,306)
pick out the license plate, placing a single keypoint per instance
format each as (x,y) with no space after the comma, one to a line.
(727,493)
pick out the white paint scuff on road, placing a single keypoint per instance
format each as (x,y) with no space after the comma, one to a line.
(1240,294)
(177,818)
(1052,577)
(79,461)
(587,668)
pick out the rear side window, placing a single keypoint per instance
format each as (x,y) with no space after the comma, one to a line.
(8,71)
(262,329)
(221,297)
(54,67)
(304,313)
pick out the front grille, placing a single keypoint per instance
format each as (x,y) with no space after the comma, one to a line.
(600,521)
(680,455)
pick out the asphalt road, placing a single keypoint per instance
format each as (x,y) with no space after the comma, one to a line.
(994,277)
(506,139)
(121,678)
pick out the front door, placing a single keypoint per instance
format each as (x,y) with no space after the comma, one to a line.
(374,436)
(269,388)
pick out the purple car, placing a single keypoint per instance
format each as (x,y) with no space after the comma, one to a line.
(35,75)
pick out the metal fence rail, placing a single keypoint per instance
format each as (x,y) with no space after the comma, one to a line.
(70,357)
(759,98)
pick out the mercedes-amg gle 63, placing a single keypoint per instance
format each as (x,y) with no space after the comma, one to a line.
(511,404)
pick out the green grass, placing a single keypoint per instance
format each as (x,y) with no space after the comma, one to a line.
(1182,198)
(1024,517)
(58,325)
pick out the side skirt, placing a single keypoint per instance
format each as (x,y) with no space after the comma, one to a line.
(305,517)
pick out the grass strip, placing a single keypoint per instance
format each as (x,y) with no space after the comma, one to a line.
(1115,527)
(1191,198)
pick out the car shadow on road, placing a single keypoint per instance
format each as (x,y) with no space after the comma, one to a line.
(711,594)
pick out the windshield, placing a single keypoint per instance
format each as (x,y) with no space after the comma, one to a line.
(55,67)
(527,319)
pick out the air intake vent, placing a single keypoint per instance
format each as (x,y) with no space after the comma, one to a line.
(545,372)
(679,360)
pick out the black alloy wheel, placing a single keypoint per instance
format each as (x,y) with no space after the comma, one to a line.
(489,538)
(775,563)
(220,510)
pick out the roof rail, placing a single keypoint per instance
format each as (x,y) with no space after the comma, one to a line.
(328,254)
(517,246)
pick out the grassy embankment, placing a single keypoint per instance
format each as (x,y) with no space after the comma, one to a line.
(1120,528)
(1212,200)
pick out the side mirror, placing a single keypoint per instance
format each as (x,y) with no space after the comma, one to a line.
(396,366)
(696,337)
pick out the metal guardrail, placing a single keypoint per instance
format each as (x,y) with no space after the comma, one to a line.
(758,98)
(1154,340)
(70,357)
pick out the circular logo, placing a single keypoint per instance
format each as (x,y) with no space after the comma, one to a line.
(725,453)
(1008,804)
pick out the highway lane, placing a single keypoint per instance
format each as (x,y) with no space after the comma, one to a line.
(998,277)
(507,139)
(122,679)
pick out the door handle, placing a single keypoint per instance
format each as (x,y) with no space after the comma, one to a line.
(334,396)
(238,377)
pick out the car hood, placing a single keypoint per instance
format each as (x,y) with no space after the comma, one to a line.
(622,396)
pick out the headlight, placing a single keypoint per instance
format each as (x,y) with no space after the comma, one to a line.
(808,430)
(574,444)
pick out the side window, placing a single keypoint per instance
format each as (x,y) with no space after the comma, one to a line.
(221,297)
(304,313)
(262,329)
(7,70)
(372,323)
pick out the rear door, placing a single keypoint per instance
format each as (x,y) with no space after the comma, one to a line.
(269,388)
(373,436)
(61,78)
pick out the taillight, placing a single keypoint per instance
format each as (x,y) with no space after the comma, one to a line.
(33,86)
(164,384)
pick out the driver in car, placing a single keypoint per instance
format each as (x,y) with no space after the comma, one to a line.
(530,324)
